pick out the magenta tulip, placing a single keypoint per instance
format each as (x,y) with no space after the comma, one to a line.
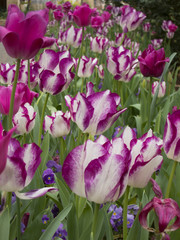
(23,36)
(82,15)
(152,62)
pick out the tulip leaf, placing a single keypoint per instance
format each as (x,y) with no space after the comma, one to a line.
(107,225)
(153,103)
(72,225)
(5,224)
(37,124)
(63,192)
(53,226)
(45,151)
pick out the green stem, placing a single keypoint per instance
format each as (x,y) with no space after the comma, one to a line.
(61,150)
(29,73)
(18,218)
(93,229)
(13,94)
(171,179)
(81,53)
(42,119)
(125,206)
(149,101)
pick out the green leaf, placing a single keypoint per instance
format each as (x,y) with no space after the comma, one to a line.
(107,225)
(45,151)
(5,224)
(81,205)
(63,192)
(72,225)
(51,229)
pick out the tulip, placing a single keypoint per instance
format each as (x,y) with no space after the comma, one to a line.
(98,170)
(4,142)
(100,71)
(106,16)
(18,36)
(169,27)
(146,27)
(171,137)
(94,112)
(130,19)
(145,156)
(24,119)
(50,5)
(82,15)
(7,73)
(121,64)
(5,97)
(97,21)
(166,210)
(55,73)
(152,62)
(21,165)
(66,6)
(86,66)
(72,37)
(156,43)
(162,88)
(58,124)
(98,44)
(58,15)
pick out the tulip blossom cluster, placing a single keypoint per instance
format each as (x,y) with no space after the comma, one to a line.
(130,19)
(121,64)
(169,27)
(94,112)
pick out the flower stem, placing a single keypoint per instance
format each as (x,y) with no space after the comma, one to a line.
(18,218)
(13,94)
(29,73)
(42,119)
(149,101)
(125,206)
(61,149)
(93,229)
(171,179)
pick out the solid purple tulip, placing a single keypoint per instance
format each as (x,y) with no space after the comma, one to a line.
(152,62)
(82,15)
(23,36)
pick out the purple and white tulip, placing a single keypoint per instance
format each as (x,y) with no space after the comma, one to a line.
(86,66)
(145,156)
(130,19)
(20,168)
(162,88)
(58,124)
(24,119)
(7,73)
(56,73)
(171,138)
(169,27)
(157,43)
(98,170)
(72,37)
(100,71)
(121,64)
(98,44)
(4,142)
(146,27)
(94,112)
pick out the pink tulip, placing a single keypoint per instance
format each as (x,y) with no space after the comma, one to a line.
(82,15)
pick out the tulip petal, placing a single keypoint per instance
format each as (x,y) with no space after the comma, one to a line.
(76,162)
(109,175)
(35,193)
(4,142)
